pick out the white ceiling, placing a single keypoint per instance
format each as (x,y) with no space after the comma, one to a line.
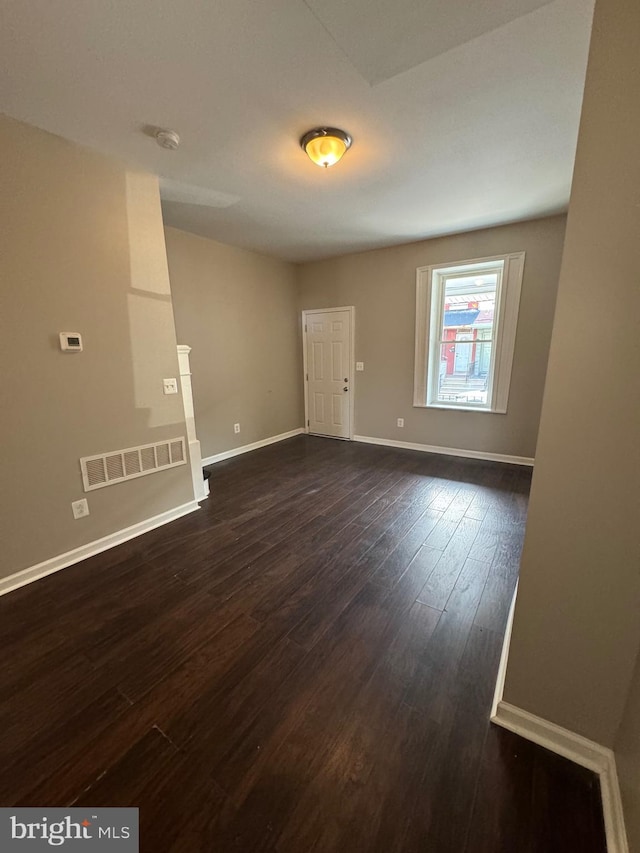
(385,39)
(463,114)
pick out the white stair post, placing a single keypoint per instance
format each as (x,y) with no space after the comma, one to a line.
(200,485)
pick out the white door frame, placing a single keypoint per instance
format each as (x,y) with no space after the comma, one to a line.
(352,362)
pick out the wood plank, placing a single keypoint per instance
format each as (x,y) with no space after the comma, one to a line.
(178,801)
(340,590)
(453,784)
(582,828)
(493,609)
(441,583)
(45,752)
(398,560)
(500,824)
(409,645)
(83,761)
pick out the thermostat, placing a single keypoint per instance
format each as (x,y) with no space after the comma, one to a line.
(70,342)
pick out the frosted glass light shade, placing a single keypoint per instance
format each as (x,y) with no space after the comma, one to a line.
(325,145)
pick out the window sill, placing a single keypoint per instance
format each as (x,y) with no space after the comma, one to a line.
(460,408)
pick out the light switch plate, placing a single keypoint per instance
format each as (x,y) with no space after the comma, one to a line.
(170,386)
(359,365)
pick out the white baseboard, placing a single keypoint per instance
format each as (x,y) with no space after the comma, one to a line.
(447,451)
(585,752)
(55,564)
(246,448)
(570,745)
(504,656)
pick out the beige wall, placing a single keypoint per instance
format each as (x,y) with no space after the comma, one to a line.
(382,286)
(577,620)
(236,309)
(81,250)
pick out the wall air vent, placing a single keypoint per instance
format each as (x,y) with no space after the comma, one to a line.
(105,469)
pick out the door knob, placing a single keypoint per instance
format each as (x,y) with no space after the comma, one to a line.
(345,388)
(346,378)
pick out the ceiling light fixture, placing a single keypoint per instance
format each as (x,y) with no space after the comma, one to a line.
(325,145)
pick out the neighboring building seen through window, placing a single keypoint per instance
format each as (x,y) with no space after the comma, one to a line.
(466,337)
(465,333)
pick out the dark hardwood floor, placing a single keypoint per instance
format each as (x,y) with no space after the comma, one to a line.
(306,664)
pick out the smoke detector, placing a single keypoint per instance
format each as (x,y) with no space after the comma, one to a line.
(168,139)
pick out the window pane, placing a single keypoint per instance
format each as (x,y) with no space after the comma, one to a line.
(466,337)
(464,371)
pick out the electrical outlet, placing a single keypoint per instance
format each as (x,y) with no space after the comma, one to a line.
(80,508)
(236,428)
(359,365)
(170,386)
(400,422)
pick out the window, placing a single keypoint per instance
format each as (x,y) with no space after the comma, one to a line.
(466,318)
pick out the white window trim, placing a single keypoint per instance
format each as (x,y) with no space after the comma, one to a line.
(505,335)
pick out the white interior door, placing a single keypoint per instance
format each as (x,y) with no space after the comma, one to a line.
(328,349)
